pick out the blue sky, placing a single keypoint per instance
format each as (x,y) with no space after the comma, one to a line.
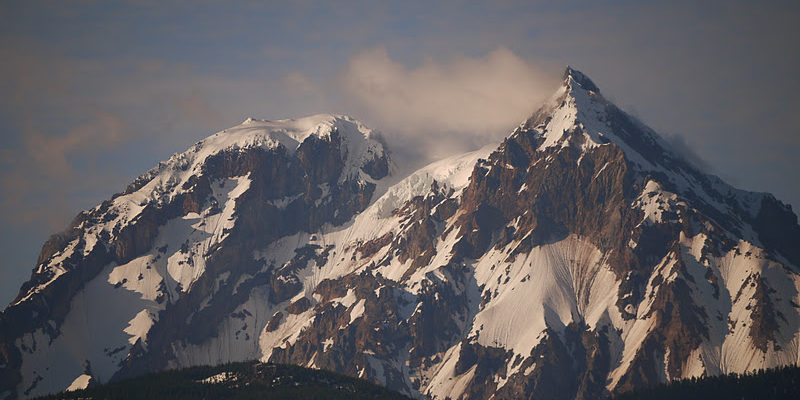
(95,93)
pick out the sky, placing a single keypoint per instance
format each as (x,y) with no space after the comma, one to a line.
(94,93)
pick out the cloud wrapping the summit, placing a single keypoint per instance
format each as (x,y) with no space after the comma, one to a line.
(446,106)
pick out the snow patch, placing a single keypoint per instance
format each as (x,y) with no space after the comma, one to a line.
(222,377)
(81,382)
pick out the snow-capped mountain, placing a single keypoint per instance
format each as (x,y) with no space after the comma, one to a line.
(578,258)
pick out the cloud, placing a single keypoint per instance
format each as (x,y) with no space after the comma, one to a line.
(450,106)
(50,152)
(38,178)
(53,138)
(196,107)
(298,84)
(685,150)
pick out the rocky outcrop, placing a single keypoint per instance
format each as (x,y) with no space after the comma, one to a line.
(777,228)
(572,364)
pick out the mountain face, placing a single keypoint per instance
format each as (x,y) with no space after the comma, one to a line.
(580,258)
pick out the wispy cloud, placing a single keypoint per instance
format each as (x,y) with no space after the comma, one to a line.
(472,96)
(39,177)
(196,107)
(298,84)
(49,152)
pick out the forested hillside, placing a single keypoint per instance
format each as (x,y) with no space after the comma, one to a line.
(778,383)
(247,380)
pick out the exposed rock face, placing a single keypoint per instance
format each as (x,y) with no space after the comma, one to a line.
(580,258)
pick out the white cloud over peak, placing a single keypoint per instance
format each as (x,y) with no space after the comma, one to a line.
(476,100)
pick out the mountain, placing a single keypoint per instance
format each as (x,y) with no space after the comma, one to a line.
(246,380)
(580,258)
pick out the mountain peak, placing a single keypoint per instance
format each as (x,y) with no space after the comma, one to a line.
(576,114)
(571,74)
(360,149)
